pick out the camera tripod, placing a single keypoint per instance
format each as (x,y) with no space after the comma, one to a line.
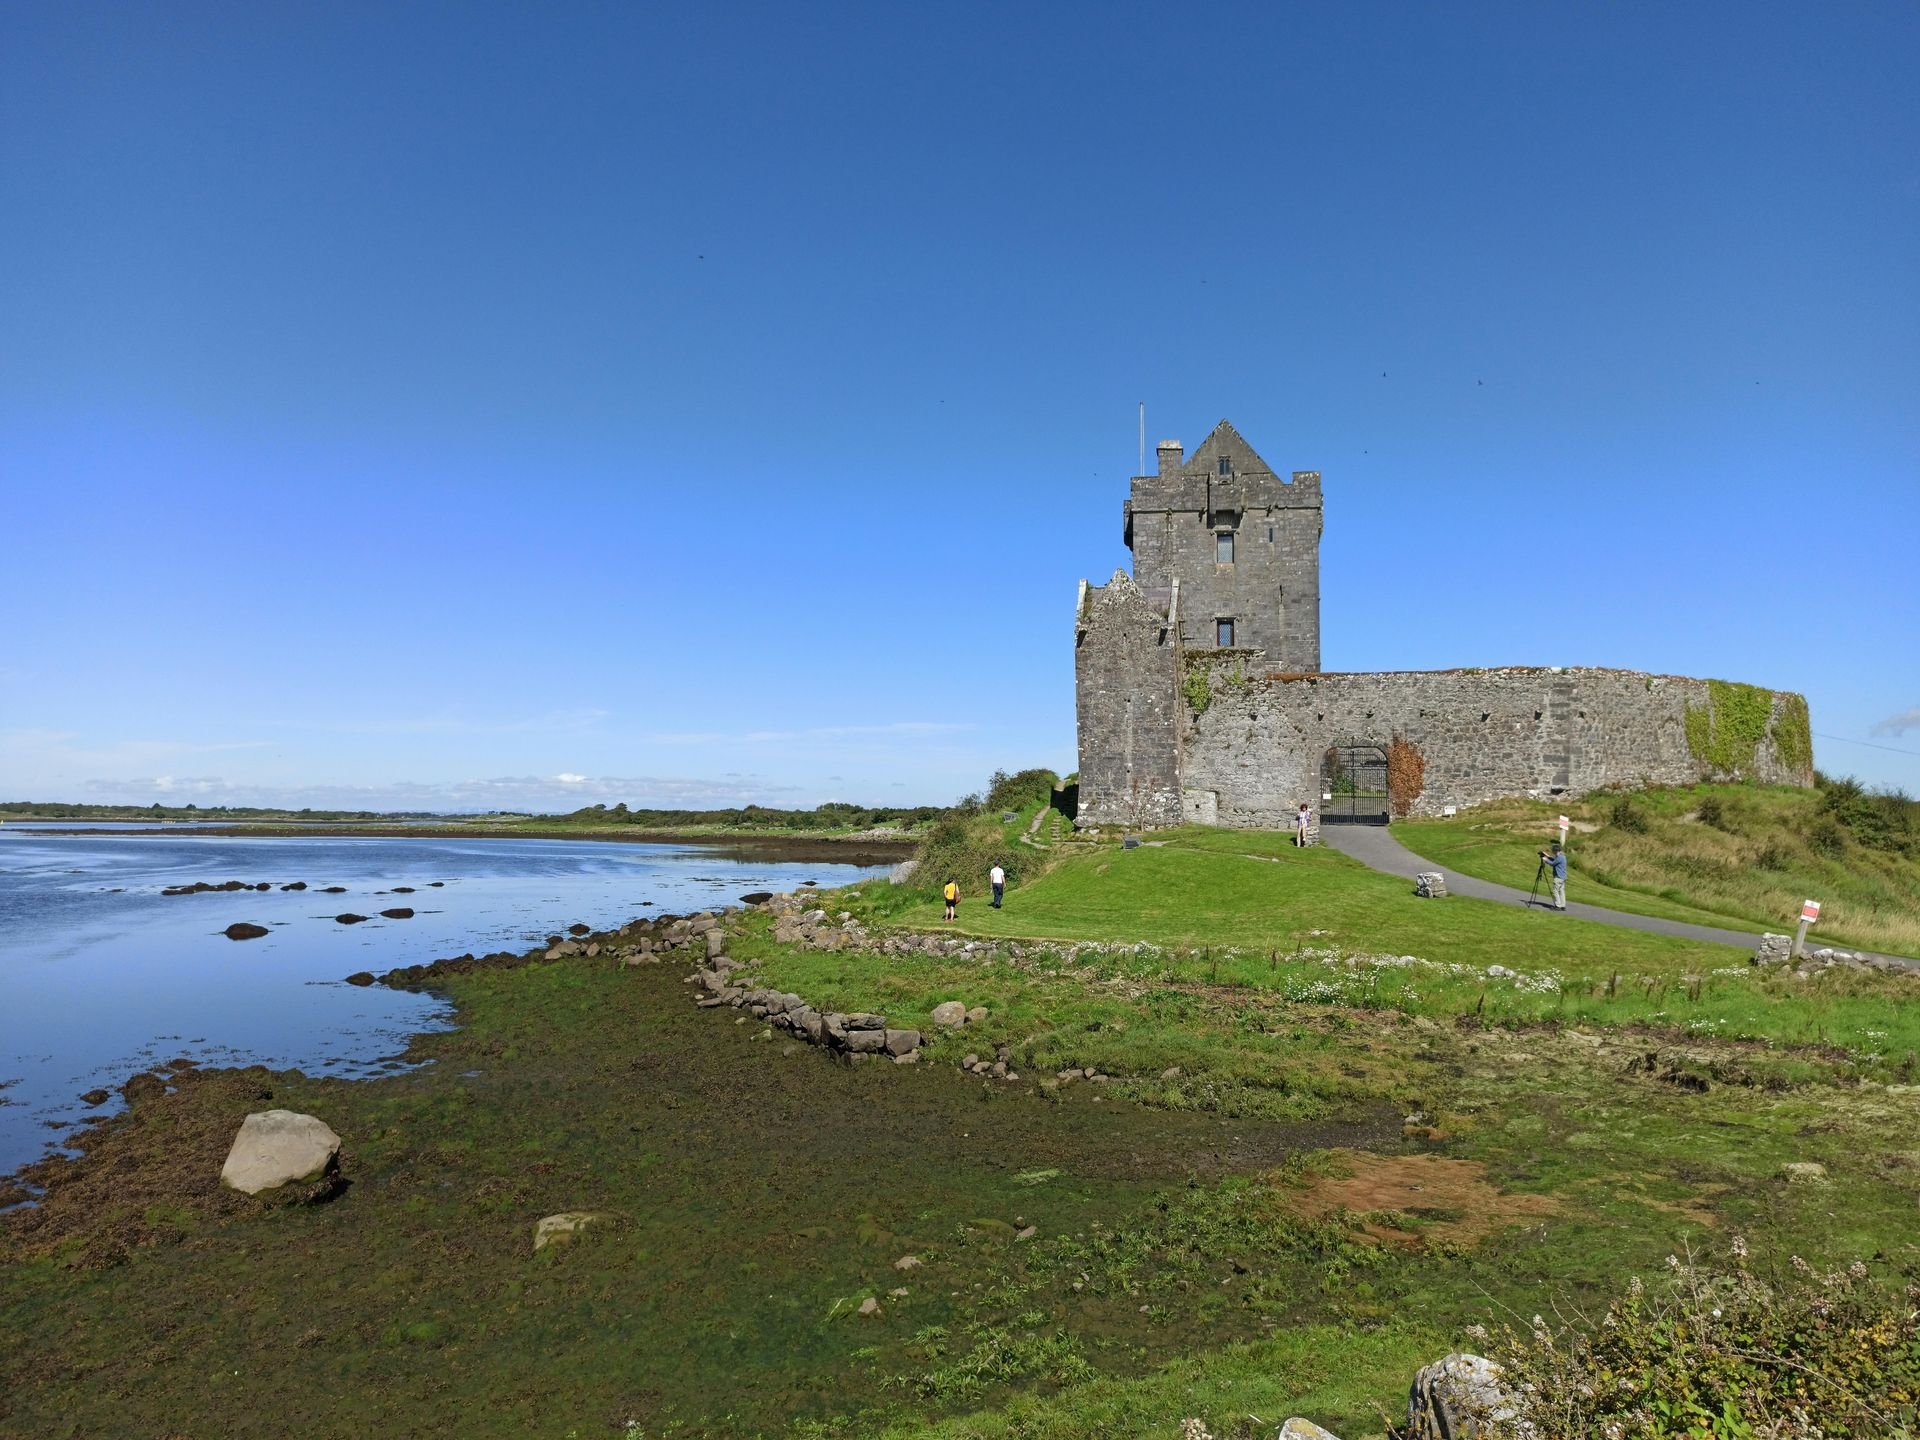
(1539,870)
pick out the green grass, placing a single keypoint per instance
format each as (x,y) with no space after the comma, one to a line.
(1740,857)
(1256,890)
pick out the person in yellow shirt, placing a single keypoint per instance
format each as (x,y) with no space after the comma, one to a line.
(952,894)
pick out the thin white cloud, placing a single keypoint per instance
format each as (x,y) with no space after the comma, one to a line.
(1898,724)
(899,729)
(555,722)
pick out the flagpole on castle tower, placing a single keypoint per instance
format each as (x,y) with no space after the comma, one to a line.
(1143,439)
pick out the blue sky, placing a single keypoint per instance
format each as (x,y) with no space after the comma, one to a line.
(458,405)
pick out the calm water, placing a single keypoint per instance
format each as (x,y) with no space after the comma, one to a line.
(101,975)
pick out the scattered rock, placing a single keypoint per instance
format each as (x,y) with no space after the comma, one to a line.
(950,1012)
(757,897)
(1457,1398)
(561,1228)
(296,885)
(1298,1429)
(334,890)
(1804,1172)
(403,889)
(399,912)
(360,977)
(96,1097)
(578,929)
(899,1292)
(976,1014)
(908,1262)
(275,1147)
(869,1306)
(349,918)
(1027,1234)
(242,930)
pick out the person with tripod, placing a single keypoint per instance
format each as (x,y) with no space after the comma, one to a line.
(1554,859)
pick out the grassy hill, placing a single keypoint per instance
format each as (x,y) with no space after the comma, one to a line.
(1738,856)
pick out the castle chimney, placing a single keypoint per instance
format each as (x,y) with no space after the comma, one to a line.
(1170,453)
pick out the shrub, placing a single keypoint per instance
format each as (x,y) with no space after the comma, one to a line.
(1728,1352)
(1023,788)
(1880,820)
(1712,812)
(1827,837)
(1628,816)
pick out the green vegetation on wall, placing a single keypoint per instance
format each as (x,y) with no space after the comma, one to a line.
(1793,735)
(1725,735)
(1198,689)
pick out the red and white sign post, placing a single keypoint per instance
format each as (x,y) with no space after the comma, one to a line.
(1809,912)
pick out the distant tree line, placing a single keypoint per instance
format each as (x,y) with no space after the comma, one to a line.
(59,810)
(834,815)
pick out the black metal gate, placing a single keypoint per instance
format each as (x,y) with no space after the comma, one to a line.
(1353,785)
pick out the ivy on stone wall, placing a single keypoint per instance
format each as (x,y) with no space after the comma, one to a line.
(1406,773)
(1793,735)
(1725,734)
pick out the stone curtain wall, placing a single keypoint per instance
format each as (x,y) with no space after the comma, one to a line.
(1126,673)
(1254,751)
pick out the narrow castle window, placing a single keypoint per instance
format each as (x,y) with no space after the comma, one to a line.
(1269,534)
(1223,633)
(1226,465)
(1223,548)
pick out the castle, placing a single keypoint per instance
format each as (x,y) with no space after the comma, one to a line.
(1200,698)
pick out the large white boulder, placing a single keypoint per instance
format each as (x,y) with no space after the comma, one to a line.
(276,1147)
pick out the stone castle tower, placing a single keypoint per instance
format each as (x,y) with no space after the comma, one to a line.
(1226,556)
(1241,543)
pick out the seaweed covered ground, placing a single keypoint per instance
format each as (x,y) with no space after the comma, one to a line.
(1307,1175)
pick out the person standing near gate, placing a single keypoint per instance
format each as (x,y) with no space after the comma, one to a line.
(1300,822)
(1555,860)
(997,877)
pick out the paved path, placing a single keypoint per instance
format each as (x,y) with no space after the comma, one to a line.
(1375,847)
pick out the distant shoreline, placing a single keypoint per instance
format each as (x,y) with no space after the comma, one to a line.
(825,849)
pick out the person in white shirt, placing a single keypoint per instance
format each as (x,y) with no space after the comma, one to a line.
(998,878)
(1302,818)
